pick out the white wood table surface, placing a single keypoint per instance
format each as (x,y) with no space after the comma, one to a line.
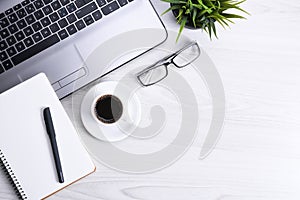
(258,155)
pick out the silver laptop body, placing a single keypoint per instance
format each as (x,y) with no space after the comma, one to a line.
(63,63)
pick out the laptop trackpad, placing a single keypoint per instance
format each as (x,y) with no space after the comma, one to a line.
(57,63)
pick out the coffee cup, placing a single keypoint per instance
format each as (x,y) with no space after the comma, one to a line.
(110,111)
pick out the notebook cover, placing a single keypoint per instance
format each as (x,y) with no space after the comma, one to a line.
(26,145)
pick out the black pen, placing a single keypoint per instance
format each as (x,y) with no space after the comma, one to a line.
(51,133)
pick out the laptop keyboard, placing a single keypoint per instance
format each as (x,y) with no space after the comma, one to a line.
(35,25)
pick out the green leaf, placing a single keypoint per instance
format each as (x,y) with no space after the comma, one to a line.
(197,6)
(187,12)
(202,13)
(175,7)
(183,22)
(212,24)
(232,16)
(218,20)
(180,14)
(209,31)
(194,18)
(237,3)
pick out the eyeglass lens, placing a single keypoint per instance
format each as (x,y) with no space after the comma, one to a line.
(187,56)
(154,75)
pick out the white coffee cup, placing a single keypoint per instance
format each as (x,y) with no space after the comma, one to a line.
(118,123)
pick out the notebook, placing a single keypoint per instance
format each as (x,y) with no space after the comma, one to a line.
(25,148)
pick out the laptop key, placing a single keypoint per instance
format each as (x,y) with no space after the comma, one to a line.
(97,15)
(79,3)
(110,8)
(30,19)
(20,46)
(37,26)
(37,37)
(11,40)
(63,34)
(28,31)
(86,10)
(62,12)
(122,2)
(25,2)
(80,25)
(12,18)
(45,21)
(64,2)
(21,13)
(88,20)
(9,11)
(54,17)
(38,4)
(7,65)
(20,35)
(28,42)
(54,27)
(101,2)
(35,49)
(4,22)
(71,18)
(71,7)
(38,14)
(62,23)
(30,8)
(3,45)
(13,28)
(2,15)
(3,56)
(55,5)
(11,51)
(4,33)
(21,24)
(46,32)
(17,7)
(71,29)
(47,10)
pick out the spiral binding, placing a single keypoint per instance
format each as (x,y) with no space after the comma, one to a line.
(11,177)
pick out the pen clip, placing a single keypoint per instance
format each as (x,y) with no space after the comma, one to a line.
(49,122)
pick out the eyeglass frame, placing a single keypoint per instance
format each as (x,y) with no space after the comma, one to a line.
(168,60)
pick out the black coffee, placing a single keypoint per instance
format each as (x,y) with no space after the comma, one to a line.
(108,109)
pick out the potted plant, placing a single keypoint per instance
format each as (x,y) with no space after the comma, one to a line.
(204,14)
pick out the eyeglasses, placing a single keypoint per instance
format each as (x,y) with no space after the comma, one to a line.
(159,70)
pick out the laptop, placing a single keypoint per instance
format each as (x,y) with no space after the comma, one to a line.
(57,36)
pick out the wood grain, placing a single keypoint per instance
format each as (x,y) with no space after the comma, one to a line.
(258,156)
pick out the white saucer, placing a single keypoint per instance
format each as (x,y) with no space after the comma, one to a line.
(125,125)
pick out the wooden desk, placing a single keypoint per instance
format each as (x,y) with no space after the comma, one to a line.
(258,155)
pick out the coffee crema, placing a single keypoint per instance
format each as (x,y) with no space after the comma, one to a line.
(108,109)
